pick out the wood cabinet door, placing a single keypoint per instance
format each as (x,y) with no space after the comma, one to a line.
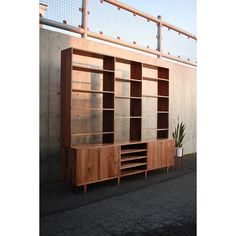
(169,148)
(160,153)
(154,159)
(151,155)
(87,166)
(109,162)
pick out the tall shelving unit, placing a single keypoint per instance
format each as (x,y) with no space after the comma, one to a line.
(159,88)
(133,97)
(149,98)
(136,101)
(114,111)
(94,82)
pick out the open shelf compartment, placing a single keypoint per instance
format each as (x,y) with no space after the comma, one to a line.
(133,158)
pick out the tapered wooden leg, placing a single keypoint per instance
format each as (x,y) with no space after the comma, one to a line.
(118,182)
(85,188)
(145,174)
(167,169)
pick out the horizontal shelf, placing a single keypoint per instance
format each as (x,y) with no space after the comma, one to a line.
(131,165)
(93,109)
(131,158)
(84,52)
(149,96)
(163,112)
(131,172)
(125,151)
(128,117)
(162,96)
(91,133)
(165,129)
(124,97)
(149,78)
(163,79)
(128,80)
(89,69)
(116,143)
(91,91)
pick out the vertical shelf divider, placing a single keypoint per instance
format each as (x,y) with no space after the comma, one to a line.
(108,99)
(135,103)
(66,88)
(163,103)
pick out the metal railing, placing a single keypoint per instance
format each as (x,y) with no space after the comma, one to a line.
(161,27)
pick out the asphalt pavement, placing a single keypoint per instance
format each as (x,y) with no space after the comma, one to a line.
(164,204)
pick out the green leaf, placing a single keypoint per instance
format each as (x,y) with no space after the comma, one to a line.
(179,133)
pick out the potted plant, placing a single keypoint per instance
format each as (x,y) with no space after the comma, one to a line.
(178,135)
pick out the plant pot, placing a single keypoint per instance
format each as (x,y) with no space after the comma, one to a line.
(179,151)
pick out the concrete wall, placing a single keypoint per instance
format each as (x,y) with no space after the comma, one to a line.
(182,95)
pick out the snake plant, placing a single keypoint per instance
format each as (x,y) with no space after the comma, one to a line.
(179,133)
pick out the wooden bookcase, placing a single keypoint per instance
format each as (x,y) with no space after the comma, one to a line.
(114,117)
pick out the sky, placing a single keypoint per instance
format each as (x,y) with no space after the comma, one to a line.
(181,13)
